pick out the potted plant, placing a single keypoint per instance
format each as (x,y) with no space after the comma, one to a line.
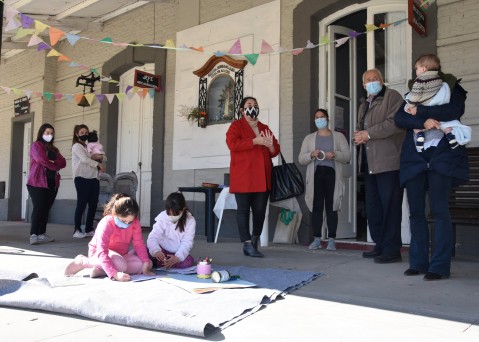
(193,114)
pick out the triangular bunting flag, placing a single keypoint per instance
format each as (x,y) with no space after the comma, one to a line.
(120,96)
(42,46)
(69,97)
(219,53)
(34,40)
(170,44)
(282,49)
(236,48)
(89,98)
(396,23)
(105,79)
(40,27)
(252,57)
(353,34)
(100,97)
(199,49)
(7,90)
(384,26)
(27,21)
(151,92)
(10,12)
(58,96)
(324,40)
(107,40)
(128,88)
(120,44)
(142,93)
(265,47)
(64,58)
(55,35)
(37,93)
(23,33)
(110,97)
(78,98)
(72,38)
(341,41)
(47,95)
(28,93)
(53,53)
(130,95)
(310,45)
(12,25)
(73,64)
(18,92)
(297,52)
(371,27)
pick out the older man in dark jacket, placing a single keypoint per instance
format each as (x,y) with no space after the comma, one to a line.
(380,143)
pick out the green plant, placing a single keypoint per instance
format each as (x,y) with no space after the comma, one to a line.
(191,113)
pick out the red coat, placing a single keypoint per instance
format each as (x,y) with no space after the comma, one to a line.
(250,166)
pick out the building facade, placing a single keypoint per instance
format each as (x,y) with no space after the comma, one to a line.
(150,137)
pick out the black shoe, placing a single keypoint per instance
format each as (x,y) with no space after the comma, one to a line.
(387,259)
(371,254)
(254,241)
(249,250)
(434,276)
(411,272)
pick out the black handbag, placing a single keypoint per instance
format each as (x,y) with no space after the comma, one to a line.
(286,181)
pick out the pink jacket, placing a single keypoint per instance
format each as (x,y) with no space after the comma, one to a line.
(39,162)
(110,237)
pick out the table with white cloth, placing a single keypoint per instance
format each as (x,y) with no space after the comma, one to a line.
(227,200)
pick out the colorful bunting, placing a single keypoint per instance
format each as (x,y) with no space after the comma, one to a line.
(106,40)
(40,27)
(23,33)
(100,97)
(110,97)
(265,47)
(12,25)
(252,57)
(34,40)
(169,44)
(310,45)
(54,53)
(353,34)
(341,41)
(89,98)
(55,35)
(236,48)
(42,46)
(370,27)
(384,26)
(72,38)
(297,52)
(27,21)
(47,95)
(324,40)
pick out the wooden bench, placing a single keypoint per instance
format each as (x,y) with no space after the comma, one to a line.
(464,199)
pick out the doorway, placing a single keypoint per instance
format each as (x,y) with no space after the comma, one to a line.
(27,141)
(340,88)
(135,132)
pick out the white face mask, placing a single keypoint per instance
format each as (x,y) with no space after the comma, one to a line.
(175,219)
(47,137)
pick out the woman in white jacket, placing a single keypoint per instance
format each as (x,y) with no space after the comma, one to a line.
(324,152)
(172,237)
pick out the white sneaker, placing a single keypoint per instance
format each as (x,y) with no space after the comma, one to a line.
(33,239)
(331,245)
(316,244)
(90,234)
(45,238)
(78,234)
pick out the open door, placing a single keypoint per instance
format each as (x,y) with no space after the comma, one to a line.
(27,141)
(341,99)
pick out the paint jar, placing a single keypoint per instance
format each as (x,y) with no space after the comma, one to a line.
(203,270)
(220,276)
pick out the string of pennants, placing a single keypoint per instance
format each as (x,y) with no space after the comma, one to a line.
(25,26)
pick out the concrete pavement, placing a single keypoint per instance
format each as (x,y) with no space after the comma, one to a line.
(354,300)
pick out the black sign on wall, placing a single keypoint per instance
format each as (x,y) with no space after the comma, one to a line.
(146,80)
(21,105)
(417,18)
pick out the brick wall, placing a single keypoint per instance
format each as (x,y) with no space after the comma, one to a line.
(458,48)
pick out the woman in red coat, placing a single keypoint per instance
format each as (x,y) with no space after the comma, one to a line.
(252,145)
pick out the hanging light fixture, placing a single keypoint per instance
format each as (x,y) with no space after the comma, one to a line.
(87,81)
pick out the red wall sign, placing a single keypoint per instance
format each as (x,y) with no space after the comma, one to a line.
(417,18)
(146,80)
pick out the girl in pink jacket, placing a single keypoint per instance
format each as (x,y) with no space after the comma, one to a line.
(108,249)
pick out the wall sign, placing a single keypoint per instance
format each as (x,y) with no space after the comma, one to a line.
(146,80)
(21,105)
(417,18)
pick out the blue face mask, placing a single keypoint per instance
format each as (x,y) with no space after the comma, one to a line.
(321,122)
(373,88)
(120,224)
